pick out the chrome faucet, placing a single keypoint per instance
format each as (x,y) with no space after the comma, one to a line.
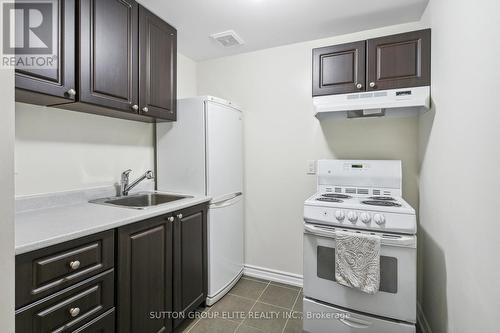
(125,187)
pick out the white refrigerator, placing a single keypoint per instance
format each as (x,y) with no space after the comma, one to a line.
(202,153)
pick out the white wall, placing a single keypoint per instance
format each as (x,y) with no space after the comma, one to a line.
(460,158)
(59,150)
(186,77)
(7,202)
(281,134)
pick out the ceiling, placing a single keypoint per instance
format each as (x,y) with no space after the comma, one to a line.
(268,23)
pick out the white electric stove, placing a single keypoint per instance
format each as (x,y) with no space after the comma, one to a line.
(359,197)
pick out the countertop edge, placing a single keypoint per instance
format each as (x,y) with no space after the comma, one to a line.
(147,213)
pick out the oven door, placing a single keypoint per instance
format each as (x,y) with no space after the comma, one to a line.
(398,277)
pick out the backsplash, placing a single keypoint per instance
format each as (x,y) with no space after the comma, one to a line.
(60,150)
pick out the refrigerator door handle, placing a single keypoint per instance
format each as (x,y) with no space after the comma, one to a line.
(222,200)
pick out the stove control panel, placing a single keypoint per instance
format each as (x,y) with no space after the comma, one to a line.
(362,219)
(379,219)
(352,216)
(366,218)
(340,215)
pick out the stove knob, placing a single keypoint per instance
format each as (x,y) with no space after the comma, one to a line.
(352,216)
(340,215)
(379,219)
(366,218)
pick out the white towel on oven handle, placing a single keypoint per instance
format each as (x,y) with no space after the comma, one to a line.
(357,261)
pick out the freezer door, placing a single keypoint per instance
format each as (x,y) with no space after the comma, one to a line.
(225,240)
(180,150)
(224,149)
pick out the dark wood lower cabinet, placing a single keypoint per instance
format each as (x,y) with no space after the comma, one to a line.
(190,260)
(42,273)
(145,276)
(69,309)
(162,269)
(102,324)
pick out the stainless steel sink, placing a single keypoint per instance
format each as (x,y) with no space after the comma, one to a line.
(140,200)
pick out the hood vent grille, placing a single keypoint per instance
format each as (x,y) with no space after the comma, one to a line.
(375,103)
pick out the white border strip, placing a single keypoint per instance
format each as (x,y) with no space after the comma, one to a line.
(422,320)
(273,275)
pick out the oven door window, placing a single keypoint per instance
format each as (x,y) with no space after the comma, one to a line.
(388,269)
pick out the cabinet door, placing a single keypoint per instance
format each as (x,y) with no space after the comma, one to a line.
(339,69)
(157,66)
(109,53)
(51,86)
(399,61)
(145,276)
(190,262)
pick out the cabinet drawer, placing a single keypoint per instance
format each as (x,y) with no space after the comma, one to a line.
(70,308)
(48,270)
(102,324)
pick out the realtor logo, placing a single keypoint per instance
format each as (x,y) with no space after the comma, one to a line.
(29,31)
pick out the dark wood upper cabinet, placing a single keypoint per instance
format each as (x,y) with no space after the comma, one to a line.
(339,69)
(108,72)
(51,86)
(144,260)
(190,261)
(157,66)
(390,62)
(399,61)
(123,63)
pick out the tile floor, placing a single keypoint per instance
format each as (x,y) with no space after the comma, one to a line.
(252,306)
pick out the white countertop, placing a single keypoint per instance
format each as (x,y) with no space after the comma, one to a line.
(36,229)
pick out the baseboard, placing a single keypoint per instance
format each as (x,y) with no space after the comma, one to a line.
(422,320)
(273,275)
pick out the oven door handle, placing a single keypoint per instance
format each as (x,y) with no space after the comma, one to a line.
(394,240)
(355,322)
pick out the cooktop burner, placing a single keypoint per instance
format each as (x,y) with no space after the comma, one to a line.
(327,199)
(385,203)
(382,198)
(336,195)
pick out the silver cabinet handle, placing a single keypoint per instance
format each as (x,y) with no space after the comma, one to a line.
(71,92)
(372,84)
(74,264)
(359,86)
(135,107)
(73,312)
(145,109)
(171,219)
(179,216)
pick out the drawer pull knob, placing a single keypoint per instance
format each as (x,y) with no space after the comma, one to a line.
(74,264)
(74,312)
(171,219)
(179,216)
(71,92)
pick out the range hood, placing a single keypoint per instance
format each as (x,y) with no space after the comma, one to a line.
(394,102)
